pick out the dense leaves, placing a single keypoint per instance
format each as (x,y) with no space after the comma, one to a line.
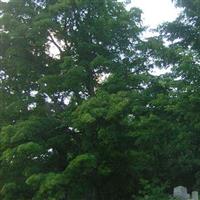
(81,116)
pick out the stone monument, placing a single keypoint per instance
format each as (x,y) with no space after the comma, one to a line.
(195,195)
(181,193)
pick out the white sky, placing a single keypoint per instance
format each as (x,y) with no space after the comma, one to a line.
(156,11)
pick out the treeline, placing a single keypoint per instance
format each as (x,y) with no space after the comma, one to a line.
(92,122)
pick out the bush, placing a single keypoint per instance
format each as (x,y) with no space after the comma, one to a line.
(151,191)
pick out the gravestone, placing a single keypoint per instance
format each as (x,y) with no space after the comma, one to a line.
(181,193)
(195,195)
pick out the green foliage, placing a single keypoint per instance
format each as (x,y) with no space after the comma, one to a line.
(81,165)
(152,192)
(91,122)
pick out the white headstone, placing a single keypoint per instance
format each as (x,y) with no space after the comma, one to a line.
(195,195)
(180,193)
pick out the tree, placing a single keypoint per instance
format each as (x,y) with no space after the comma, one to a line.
(91,122)
(183,34)
(65,131)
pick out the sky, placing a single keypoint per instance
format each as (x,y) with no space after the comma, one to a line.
(155,12)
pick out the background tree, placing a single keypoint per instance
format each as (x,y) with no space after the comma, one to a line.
(183,34)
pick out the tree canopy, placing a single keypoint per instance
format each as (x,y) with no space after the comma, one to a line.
(87,120)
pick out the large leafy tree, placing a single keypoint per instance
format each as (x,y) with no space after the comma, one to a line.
(86,120)
(67,120)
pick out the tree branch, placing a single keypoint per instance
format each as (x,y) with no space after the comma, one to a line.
(54,42)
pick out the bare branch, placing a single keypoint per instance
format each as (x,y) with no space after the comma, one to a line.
(54,42)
